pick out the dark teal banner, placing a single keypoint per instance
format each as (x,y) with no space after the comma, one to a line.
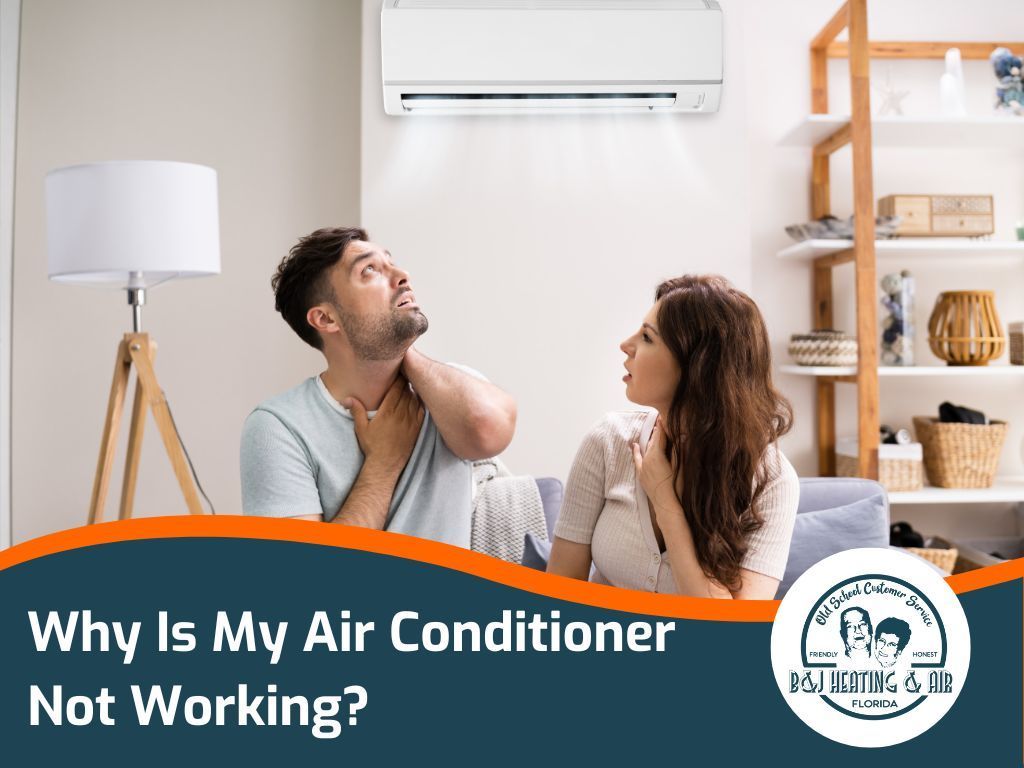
(709,697)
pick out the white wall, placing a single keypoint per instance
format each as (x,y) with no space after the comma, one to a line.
(535,242)
(264,91)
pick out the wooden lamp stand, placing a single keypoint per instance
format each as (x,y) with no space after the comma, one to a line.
(134,224)
(137,349)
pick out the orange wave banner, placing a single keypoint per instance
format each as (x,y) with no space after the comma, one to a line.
(438,554)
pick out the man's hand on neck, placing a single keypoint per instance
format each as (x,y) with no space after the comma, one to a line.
(475,418)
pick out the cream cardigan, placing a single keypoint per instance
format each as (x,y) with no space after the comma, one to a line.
(606,507)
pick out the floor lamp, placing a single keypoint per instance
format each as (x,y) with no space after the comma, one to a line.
(133,225)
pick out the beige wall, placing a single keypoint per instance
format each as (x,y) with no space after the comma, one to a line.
(264,91)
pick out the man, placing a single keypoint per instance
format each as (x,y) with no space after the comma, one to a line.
(891,637)
(855,629)
(385,436)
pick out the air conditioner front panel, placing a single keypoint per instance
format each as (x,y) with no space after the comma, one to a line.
(517,46)
(508,46)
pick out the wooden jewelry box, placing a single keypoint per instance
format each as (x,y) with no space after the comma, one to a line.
(940,215)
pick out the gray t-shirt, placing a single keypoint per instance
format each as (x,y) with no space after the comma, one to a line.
(300,456)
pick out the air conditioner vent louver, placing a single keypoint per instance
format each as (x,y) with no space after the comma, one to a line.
(476,103)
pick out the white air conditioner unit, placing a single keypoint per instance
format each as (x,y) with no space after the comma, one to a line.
(478,57)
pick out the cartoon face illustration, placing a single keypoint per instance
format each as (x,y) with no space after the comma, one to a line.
(891,637)
(855,629)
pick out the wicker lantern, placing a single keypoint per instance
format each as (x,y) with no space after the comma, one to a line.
(964,328)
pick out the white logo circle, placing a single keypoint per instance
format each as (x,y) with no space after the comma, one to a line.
(870,647)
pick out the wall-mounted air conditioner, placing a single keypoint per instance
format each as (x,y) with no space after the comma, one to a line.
(515,56)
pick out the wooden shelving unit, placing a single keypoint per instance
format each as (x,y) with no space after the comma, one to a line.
(826,134)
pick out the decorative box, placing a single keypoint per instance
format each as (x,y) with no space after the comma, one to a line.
(1017,343)
(900,467)
(940,215)
(981,553)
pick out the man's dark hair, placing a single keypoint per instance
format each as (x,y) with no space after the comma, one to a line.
(894,626)
(301,279)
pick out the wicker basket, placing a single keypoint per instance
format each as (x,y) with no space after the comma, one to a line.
(1017,343)
(899,466)
(960,455)
(823,348)
(938,552)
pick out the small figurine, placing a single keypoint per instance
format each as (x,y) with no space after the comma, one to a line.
(1010,91)
(952,91)
(891,99)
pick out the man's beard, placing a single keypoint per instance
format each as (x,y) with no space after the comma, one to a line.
(383,337)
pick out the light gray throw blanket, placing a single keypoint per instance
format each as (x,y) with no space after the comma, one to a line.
(505,509)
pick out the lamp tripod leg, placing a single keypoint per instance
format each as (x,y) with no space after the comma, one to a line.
(108,443)
(139,347)
(131,467)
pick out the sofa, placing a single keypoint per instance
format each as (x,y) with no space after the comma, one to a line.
(834,514)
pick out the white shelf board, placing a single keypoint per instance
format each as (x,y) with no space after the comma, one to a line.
(960,371)
(983,131)
(924,247)
(1001,370)
(819,370)
(1005,490)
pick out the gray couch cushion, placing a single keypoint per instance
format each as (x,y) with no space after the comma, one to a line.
(536,552)
(835,514)
(550,489)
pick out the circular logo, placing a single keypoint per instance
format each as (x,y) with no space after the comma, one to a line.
(870,647)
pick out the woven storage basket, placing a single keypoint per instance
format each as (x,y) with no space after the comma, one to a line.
(939,552)
(823,348)
(895,473)
(1017,343)
(960,455)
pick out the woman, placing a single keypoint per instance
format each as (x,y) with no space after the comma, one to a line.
(694,498)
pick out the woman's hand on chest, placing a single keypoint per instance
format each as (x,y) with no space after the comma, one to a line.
(657,474)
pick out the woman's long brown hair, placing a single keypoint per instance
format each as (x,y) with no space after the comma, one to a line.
(727,411)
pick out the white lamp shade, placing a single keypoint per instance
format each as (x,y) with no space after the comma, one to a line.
(132,224)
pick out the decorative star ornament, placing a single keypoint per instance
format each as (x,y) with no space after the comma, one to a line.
(891,98)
